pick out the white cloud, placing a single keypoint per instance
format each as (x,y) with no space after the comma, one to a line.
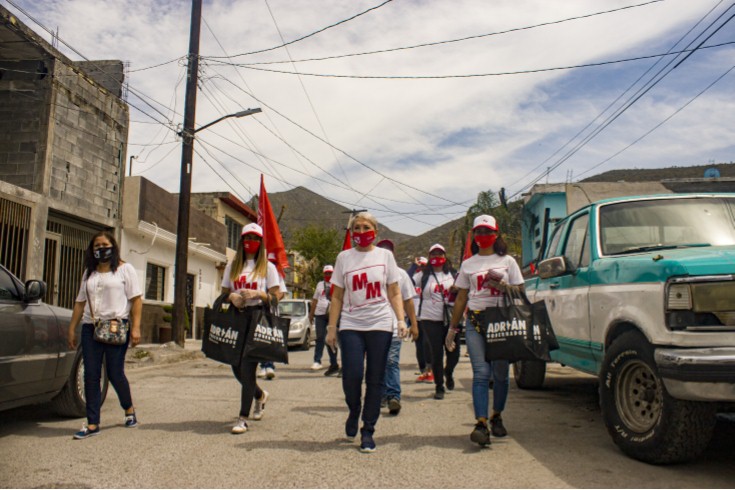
(451,137)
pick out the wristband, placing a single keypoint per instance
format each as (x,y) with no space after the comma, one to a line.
(332,326)
(454,329)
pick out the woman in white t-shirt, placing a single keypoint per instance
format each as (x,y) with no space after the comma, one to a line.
(109,290)
(250,280)
(435,283)
(480,282)
(366,301)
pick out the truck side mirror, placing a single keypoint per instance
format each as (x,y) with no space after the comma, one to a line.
(552,267)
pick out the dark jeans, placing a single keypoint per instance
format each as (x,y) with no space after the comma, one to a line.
(423,355)
(246,375)
(357,348)
(320,322)
(436,333)
(93,353)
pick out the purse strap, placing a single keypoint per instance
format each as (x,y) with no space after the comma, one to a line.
(89,300)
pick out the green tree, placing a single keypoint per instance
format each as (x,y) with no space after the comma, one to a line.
(508,218)
(318,246)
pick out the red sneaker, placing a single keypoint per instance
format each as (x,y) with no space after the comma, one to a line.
(427,377)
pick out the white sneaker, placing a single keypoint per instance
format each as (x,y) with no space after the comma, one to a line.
(261,373)
(260,406)
(316,366)
(270,373)
(240,427)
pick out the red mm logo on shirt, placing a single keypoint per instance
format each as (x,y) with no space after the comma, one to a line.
(360,282)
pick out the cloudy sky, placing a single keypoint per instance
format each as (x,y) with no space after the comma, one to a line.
(483,94)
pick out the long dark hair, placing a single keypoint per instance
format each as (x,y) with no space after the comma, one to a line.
(90,262)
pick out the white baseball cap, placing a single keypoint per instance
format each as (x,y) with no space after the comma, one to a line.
(423,261)
(252,228)
(328,268)
(272,257)
(436,246)
(485,221)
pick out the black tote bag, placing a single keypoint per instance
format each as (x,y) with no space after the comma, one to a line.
(518,331)
(267,338)
(224,333)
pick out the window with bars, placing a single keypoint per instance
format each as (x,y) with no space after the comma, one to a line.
(233,232)
(155,282)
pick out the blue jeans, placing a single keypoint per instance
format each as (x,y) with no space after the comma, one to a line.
(481,372)
(320,321)
(268,364)
(357,348)
(93,353)
(392,384)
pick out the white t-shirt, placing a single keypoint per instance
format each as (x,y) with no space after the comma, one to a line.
(472,275)
(242,283)
(320,295)
(109,292)
(365,277)
(435,295)
(407,291)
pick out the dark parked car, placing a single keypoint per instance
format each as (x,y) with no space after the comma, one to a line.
(36,364)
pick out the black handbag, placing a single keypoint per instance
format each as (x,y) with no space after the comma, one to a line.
(267,338)
(518,331)
(224,333)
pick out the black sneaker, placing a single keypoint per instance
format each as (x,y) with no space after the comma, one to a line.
(450,382)
(394,406)
(87,432)
(496,424)
(480,435)
(331,371)
(367,444)
(439,394)
(351,426)
(131,420)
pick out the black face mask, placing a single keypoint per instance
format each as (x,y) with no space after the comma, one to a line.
(103,254)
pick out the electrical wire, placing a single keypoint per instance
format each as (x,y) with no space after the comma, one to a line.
(308,35)
(457,40)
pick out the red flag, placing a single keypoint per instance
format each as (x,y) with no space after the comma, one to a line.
(272,238)
(468,246)
(347,244)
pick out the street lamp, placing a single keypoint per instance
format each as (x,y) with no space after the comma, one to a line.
(182,230)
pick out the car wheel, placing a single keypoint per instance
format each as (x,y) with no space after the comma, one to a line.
(71,401)
(307,340)
(529,375)
(645,421)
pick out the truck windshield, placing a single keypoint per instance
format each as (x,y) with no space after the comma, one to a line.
(638,226)
(292,308)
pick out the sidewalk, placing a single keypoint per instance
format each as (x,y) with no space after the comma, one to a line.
(153,354)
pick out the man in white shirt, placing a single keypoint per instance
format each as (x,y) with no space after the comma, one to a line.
(392,384)
(319,314)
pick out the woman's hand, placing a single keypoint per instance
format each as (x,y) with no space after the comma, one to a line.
(331,339)
(449,341)
(402,329)
(237,300)
(71,338)
(134,336)
(414,332)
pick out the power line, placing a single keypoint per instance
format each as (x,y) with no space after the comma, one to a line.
(308,35)
(457,40)
(468,75)
(611,104)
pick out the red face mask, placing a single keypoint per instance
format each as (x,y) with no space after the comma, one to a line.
(363,239)
(251,246)
(327,277)
(437,261)
(485,241)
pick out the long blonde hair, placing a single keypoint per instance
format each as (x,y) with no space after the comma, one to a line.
(261,263)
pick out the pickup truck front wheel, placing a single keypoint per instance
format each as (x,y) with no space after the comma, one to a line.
(642,418)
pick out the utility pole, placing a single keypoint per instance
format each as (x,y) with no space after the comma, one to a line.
(178,316)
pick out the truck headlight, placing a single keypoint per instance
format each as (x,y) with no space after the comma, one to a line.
(679,297)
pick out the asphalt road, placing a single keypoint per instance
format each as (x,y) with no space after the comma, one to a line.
(556,440)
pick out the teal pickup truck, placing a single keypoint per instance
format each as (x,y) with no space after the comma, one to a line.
(640,292)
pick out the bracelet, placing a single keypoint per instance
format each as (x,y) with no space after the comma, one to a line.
(454,329)
(332,326)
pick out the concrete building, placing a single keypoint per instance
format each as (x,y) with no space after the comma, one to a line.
(63,138)
(148,242)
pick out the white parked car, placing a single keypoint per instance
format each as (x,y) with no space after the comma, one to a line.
(301,332)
